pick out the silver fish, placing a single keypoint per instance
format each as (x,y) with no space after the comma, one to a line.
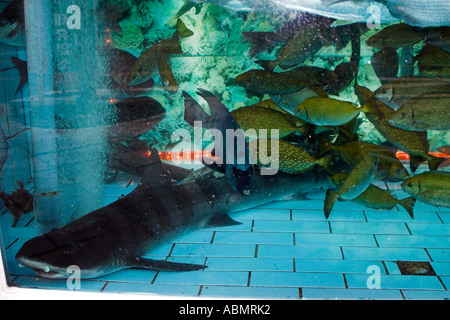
(414,12)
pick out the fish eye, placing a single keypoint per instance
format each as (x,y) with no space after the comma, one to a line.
(410,184)
(403,115)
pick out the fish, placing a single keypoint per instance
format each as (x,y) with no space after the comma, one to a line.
(439,37)
(132,159)
(305,44)
(4,147)
(430,187)
(12,24)
(414,143)
(444,149)
(19,202)
(399,91)
(135,116)
(377,198)
(120,64)
(236,167)
(145,65)
(262,41)
(434,62)
(331,81)
(436,13)
(291,159)
(386,64)
(268,82)
(390,168)
(357,181)
(327,111)
(422,113)
(258,118)
(115,237)
(396,36)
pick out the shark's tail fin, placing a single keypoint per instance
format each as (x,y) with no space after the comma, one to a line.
(23,73)
(193,111)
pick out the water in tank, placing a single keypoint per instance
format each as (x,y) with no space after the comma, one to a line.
(282,149)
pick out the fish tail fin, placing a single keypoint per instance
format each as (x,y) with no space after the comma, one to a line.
(408,204)
(182,30)
(193,111)
(21,66)
(330,200)
(415,161)
(326,162)
(259,41)
(434,162)
(267,65)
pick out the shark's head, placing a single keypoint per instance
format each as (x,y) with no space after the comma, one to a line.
(49,255)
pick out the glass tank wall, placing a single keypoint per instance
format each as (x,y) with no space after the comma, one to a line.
(244,149)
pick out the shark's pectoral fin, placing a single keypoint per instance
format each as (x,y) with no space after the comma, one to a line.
(221,220)
(162,265)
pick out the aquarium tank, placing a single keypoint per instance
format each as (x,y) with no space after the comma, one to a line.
(275,149)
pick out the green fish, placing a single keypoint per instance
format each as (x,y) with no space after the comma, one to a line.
(430,187)
(327,112)
(396,36)
(415,143)
(305,44)
(258,118)
(390,168)
(357,181)
(291,158)
(399,91)
(268,82)
(434,62)
(423,113)
(158,55)
(377,198)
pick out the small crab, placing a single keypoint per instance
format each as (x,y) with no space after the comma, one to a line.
(19,202)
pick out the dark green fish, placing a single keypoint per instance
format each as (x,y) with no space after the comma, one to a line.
(268,82)
(396,36)
(434,62)
(386,65)
(298,49)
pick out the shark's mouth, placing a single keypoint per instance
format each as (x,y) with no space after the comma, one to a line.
(42,269)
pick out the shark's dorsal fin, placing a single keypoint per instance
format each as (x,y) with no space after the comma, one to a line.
(221,220)
(154,171)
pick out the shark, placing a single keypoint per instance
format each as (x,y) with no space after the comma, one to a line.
(157,211)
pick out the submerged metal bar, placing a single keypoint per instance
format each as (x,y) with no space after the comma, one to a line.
(47,204)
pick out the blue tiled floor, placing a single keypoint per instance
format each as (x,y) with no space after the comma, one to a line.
(283,250)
